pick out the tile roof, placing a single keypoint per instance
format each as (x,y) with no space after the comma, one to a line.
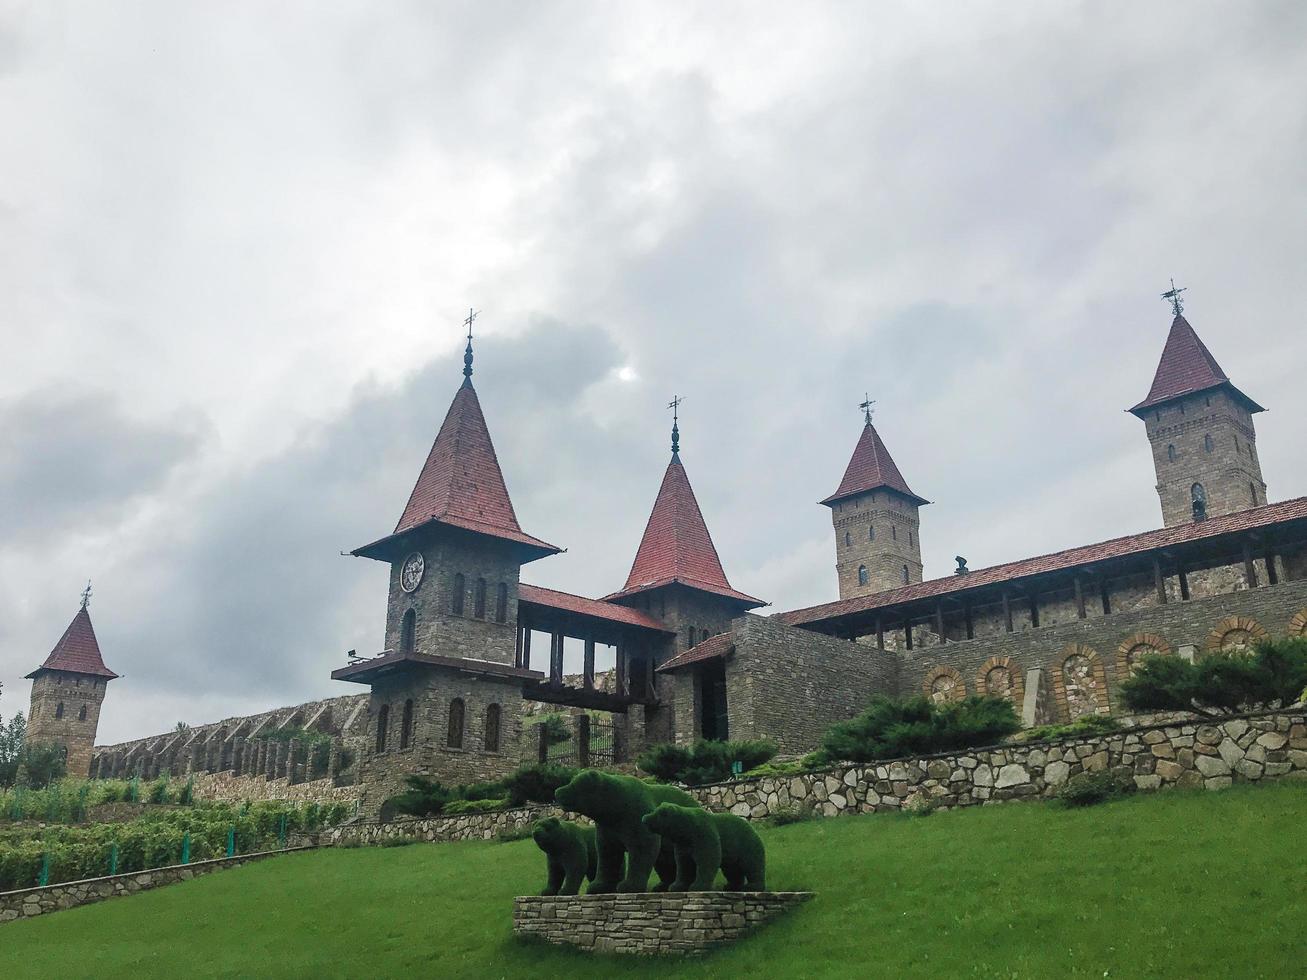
(461,484)
(582,606)
(77,650)
(871,468)
(1186,367)
(676,547)
(1246,520)
(720,645)
(389,660)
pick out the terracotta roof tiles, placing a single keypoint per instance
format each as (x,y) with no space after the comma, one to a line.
(871,468)
(77,650)
(1185,368)
(582,606)
(720,645)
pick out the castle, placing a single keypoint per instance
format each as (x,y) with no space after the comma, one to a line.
(467,642)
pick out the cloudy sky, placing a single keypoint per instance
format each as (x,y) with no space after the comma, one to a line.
(236,241)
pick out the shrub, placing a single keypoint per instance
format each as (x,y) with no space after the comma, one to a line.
(1089,788)
(424,798)
(474,806)
(791,814)
(518,833)
(537,783)
(891,728)
(705,761)
(187,795)
(1274,671)
(1084,725)
(158,791)
(555,728)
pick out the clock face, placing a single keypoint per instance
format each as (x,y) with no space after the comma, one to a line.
(410,574)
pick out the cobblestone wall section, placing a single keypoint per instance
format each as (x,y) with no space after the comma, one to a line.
(226,787)
(27,903)
(458,827)
(649,924)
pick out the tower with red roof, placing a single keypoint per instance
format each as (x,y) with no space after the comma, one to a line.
(1201,430)
(876,519)
(67,692)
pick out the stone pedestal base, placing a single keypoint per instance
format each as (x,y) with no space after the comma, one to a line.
(651,922)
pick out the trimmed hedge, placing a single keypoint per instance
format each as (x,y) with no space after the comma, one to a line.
(892,729)
(1274,671)
(705,761)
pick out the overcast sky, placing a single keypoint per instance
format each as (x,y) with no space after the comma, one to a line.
(236,242)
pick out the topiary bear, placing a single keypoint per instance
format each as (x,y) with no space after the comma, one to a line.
(707,841)
(570,849)
(616,804)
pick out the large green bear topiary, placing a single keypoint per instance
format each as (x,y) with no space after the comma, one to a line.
(571,854)
(707,841)
(616,804)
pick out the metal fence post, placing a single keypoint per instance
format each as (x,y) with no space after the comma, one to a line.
(43,876)
(113,858)
(583,741)
(281,832)
(231,841)
(186,848)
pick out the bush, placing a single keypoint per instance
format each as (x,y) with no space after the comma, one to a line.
(424,798)
(891,729)
(474,806)
(1089,788)
(158,791)
(536,783)
(1274,671)
(1082,726)
(791,814)
(705,761)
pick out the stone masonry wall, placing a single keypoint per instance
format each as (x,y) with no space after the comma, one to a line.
(685,924)
(226,787)
(27,903)
(457,827)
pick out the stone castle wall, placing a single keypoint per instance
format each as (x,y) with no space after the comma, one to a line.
(229,788)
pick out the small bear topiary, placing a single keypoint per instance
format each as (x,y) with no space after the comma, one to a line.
(571,854)
(707,841)
(616,804)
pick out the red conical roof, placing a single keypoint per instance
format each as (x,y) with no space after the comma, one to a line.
(77,650)
(871,468)
(1187,367)
(461,484)
(676,547)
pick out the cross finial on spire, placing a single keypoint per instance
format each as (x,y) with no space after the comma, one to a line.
(675,406)
(86,594)
(1173,294)
(867,402)
(467,354)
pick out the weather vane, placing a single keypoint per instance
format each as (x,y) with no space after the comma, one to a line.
(867,402)
(86,594)
(467,354)
(675,406)
(1173,294)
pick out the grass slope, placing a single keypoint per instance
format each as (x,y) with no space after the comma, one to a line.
(1174,885)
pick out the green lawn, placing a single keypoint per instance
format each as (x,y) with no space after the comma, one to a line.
(1173,885)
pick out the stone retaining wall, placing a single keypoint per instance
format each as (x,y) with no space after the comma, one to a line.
(463,826)
(230,788)
(686,923)
(1187,754)
(29,902)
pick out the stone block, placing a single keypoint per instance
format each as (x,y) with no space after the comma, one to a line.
(1210,766)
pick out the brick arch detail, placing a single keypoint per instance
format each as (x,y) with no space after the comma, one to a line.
(1298,625)
(936,673)
(1216,638)
(1131,642)
(1097,675)
(1017,688)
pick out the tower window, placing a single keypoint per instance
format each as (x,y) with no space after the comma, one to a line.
(408,632)
(848,539)
(1252,492)
(1237,450)
(871,532)
(456,597)
(383,722)
(501,603)
(692,636)
(894,532)
(1170,453)
(81,714)
(59,710)
(905,574)
(406,724)
(455,737)
(492,728)
(909,539)
(1198,500)
(863,578)
(1207,442)
(479,601)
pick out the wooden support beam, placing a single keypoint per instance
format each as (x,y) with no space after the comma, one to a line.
(1272,576)
(1007,610)
(939,622)
(880,633)
(526,646)
(1034,610)
(556,659)
(907,631)
(1080,598)
(1159,582)
(1184,582)
(1249,569)
(621,667)
(583,740)
(588,671)
(1106,596)
(971,626)
(517,646)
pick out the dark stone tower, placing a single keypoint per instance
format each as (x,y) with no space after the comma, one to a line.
(1201,430)
(446,694)
(67,692)
(877,522)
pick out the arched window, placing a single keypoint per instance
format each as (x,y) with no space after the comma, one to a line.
(863,578)
(501,603)
(59,710)
(1198,500)
(479,600)
(455,738)
(692,636)
(81,714)
(1207,442)
(406,724)
(456,595)
(1237,450)
(383,722)
(492,728)
(909,539)
(894,532)
(848,539)
(408,632)
(905,574)
(871,532)
(1252,492)
(1170,453)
